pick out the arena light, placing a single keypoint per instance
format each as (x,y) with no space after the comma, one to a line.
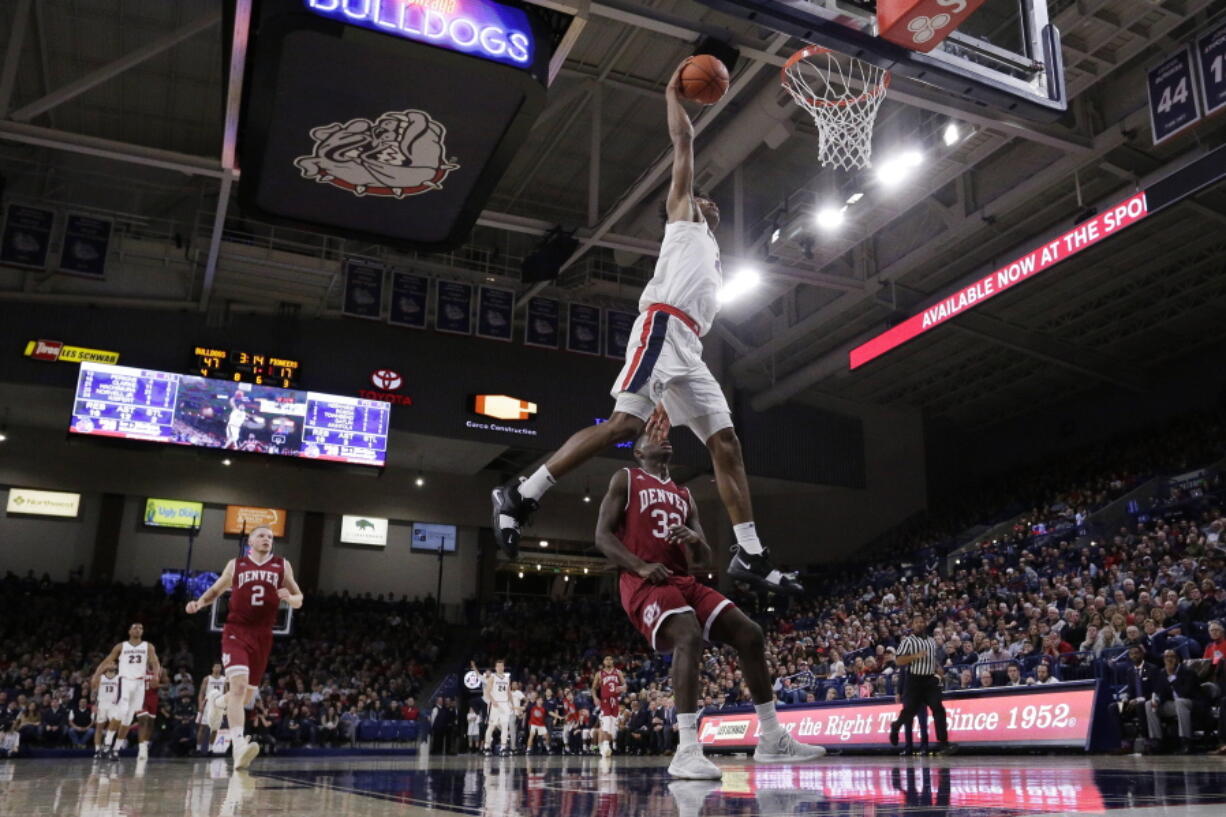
(521,574)
(744,281)
(566,578)
(585,571)
(898,168)
(831,218)
(226,461)
(952,134)
(544,543)
(538,567)
(854,197)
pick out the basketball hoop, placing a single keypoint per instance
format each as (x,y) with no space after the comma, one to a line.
(842,94)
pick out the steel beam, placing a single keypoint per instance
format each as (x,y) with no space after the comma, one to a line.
(593,159)
(109,149)
(114,69)
(229,143)
(573,31)
(12,54)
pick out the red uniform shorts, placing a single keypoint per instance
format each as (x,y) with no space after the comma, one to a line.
(151,699)
(244,650)
(649,604)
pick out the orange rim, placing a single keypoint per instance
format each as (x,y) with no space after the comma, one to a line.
(815,50)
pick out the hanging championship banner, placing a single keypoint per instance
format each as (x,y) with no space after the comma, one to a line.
(617,332)
(455,306)
(541,325)
(583,329)
(495,308)
(363,289)
(410,294)
(86,242)
(27,236)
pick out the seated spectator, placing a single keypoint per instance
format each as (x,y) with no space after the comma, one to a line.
(1215,650)
(329,727)
(985,678)
(183,732)
(29,724)
(1176,691)
(1014,673)
(1042,675)
(54,724)
(81,725)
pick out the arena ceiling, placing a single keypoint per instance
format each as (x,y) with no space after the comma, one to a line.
(116,106)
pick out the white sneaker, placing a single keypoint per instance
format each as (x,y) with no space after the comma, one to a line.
(606,751)
(689,764)
(786,749)
(245,751)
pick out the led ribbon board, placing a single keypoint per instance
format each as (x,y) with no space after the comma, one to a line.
(1040,259)
(477,27)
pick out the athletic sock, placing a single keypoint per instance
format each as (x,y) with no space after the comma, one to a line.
(109,740)
(535,486)
(747,537)
(687,728)
(768,720)
(123,744)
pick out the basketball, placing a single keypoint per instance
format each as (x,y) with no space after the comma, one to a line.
(704,79)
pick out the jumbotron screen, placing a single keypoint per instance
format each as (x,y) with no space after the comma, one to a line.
(165,407)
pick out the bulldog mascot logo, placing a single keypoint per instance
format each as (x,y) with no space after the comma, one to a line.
(402,153)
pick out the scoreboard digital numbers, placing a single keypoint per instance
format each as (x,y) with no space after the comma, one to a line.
(164,407)
(247,367)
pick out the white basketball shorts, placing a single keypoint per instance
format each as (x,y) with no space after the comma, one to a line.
(608,724)
(664,364)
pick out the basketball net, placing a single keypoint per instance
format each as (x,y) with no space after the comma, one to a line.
(842,94)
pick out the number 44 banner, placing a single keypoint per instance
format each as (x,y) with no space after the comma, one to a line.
(1174,104)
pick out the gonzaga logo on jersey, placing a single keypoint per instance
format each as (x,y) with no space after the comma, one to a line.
(401,153)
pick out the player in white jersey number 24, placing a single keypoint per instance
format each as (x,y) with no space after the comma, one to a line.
(664,366)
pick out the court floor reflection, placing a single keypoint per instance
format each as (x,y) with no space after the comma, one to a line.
(629,787)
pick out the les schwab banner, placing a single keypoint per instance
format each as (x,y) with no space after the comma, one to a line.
(244,519)
(1059,717)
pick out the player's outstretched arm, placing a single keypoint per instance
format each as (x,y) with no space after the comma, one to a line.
(291,593)
(209,596)
(111,658)
(612,510)
(680,203)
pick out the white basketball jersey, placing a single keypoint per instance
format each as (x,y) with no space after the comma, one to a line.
(214,686)
(109,690)
(688,274)
(134,660)
(500,689)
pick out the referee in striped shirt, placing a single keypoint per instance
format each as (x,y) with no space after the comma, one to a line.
(918,653)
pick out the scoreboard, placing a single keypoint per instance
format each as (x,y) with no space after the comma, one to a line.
(246,367)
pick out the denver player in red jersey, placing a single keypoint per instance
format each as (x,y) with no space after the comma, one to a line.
(649,528)
(608,687)
(258,583)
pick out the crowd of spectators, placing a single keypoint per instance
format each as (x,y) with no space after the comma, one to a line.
(351,658)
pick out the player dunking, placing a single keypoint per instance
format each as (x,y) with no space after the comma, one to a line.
(258,583)
(234,422)
(136,659)
(608,686)
(664,365)
(649,528)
